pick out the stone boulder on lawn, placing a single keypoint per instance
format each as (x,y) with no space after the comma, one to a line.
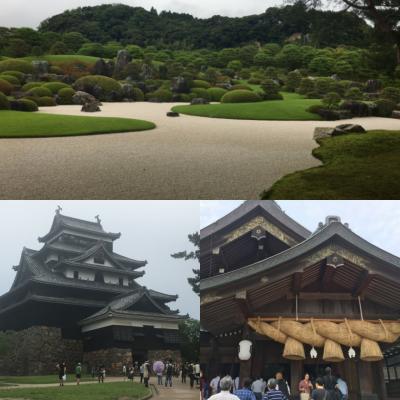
(91,107)
(321,133)
(123,59)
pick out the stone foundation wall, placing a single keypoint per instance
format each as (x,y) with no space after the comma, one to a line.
(163,355)
(37,350)
(113,359)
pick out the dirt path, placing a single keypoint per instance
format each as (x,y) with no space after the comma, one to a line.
(178,391)
(183,158)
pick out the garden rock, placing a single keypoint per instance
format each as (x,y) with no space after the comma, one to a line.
(40,67)
(103,68)
(396,114)
(172,114)
(82,98)
(199,100)
(356,108)
(373,85)
(123,59)
(91,107)
(348,128)
(180,85)
(127,91)
(321,133)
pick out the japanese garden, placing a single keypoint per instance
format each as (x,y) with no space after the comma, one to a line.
(264,83)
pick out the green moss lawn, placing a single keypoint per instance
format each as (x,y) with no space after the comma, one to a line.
(57,58)
(25,124)
(292,108)
(96,391)
(36,379)
(354,166)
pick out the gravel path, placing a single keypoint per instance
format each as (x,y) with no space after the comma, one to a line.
(183,158)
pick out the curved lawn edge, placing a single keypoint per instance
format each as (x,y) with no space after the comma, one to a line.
(17,124)
(271,110)
(355,166)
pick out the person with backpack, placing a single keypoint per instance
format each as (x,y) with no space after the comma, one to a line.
(319,393)
(78,373)
(168,374)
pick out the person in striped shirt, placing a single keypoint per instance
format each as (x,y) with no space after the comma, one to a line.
(245,393)
(273,393)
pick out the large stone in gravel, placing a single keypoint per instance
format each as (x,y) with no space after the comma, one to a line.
(91,107)
(199,100)
(172,114)
(348,128)
(321,133)
(81,97)
(396,114)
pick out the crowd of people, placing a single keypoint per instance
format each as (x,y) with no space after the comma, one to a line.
(326,387)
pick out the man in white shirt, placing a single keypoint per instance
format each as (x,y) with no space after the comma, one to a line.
(257,387)
(214,384)
(226,385)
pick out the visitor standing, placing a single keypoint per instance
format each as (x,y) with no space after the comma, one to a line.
(131,373)
(197,372)
(214,384)
(258,388)
(342,387)
(93,371)
(124,372)
(146,373)
(101,373)
(191,375)
(283,385)
(319,393)
(78,373)
(225,385)
(168,374)
(305,388)
(245,393)
(183,372)
(330,382)
(62,372)
(159,377)
(273,392)
(141,372)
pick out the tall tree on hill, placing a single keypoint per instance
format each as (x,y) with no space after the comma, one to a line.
(194,282)
(384,14)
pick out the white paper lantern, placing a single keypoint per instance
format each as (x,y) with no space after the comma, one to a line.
(245,350)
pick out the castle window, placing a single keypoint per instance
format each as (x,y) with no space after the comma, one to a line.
(99,277)
(76,275)
(121,281)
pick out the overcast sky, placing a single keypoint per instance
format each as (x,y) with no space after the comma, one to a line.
(151,230)
(17,13)
(376,221)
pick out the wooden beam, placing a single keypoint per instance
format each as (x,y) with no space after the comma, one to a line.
(363,282)
(321,296)
(296,282)
(242,301)
(327,272)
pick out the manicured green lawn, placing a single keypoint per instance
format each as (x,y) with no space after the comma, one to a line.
(56,58)
(292,108)
(37,379)
(26,124)
(355,166)
(96,391)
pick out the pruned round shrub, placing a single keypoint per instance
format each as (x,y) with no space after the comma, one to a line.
(313,95)
(16,65)
(201,93)
(138,94)
(30,85)
(64,95)
(331,100)
(160,96)
(54,87)
(11,79)
(353,93)
(293,81)
(385,107)
(391,93)
(323,85)
(23,105)
(19,75)
(198,83)
(315,108)
(270,90)
(307,85)
(216,93)
(54,69)
(240,96)
(40,92)
(101,87)
(45,101)
(4,102)
(240,86)
(6,87)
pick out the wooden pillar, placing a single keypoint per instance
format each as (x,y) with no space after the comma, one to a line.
(380,379)
(350,375)
(366,378)
(296,372)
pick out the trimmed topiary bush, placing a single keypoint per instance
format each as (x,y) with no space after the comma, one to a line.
(40,92)
(331,100)
(6,87)
(101,87)
(293,81)
(45,101)
(4,102)
(385,107)
(270,90)
(391,93)
(307,85)
(138,94)
(323,85)
(16,65)
(353,93)
(64,95)
(215,93)
(23,105)
(160,96)
(54,69)
(11,79)
(240,96)
(19,75)
(30,85)
(315,108)
(54,87)
(197,83)
(200,92)
(240,86)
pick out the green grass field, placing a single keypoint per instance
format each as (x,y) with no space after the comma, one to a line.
(24,124)
(57,58)
(292,108)
(355,167)
(36,379)
(96,391)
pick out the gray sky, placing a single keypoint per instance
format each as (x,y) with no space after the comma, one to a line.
(376,221)
(17,13)
(151,230)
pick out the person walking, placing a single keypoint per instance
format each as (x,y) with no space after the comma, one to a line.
(62,372)
(124,372)
(258,388)
(225,385)
(168,374)
(78,373)
(273,392)
(101,374)
(214,384)
(141,372)
(183,373)
(245,393)
(319,393)
(341,385)
(159,378)
(283,385)
(305,387)
(330,383)
(146,373)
